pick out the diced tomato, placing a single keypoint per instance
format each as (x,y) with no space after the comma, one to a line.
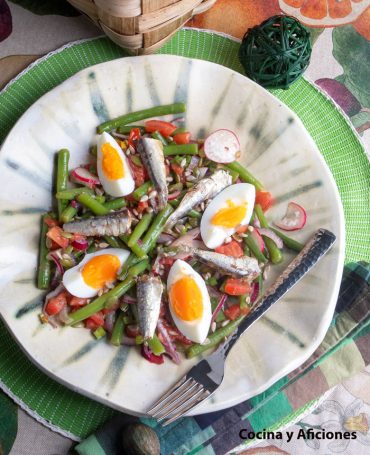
(55,234)
(177,169)
(95,321)
(77,302)
(142,205)
(164,128)
(139,174)
(236,286)
(134,136)
(78,238)
(234,311)
(182,138)
(49,221)
(241,229)
(132,330)
(232,248)
(264,199)
(56,304)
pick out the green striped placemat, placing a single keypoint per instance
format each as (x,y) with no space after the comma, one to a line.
(69,412)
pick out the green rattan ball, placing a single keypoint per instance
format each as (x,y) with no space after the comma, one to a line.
(276,52)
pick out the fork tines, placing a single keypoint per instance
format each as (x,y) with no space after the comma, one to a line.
(183,396)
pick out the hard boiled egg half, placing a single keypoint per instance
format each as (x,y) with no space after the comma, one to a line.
(113,169)
(94,272)
(189,301)
(231,208)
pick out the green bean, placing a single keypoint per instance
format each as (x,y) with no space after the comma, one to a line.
(157,111)
(138,251)
(179,131)
(245,175)
(252,245)
(136,160)
(113,241)
(99,333)
(62,177)
(175,187)
(274,252)
(143,189)
(288,241)
(214,339)
(125,238)
(44,268)
(100,199)
(150,238)
(92,204)
(68,214)
(126,129)
(139,230)
(93,150)
(246,250)
(182,149)
(115,204)
(156,346)
(72,193)
(117,333)
(157,135)
(121,288)
(194,214)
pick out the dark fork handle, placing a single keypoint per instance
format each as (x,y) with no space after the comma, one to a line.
(320,243)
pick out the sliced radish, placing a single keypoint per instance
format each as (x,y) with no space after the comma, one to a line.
(271,235)
(84,177)
(256,236)
(174,195)
(222,146)
(294,219)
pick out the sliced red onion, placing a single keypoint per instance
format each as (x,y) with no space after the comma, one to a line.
(256,222)
(148,355)
(167,343)
(164,238)
(75,204)
(80,244)
(109,321)
(294,219)
(127,341)
(174,195)
(214,292)
(63,316)
(256,236)
(271,235)
(222,146)
(202,172)
(84,177)
(193,163)
(120,136)
(187,239)
(255,291)
(56,260)
(128,299)
(219,306)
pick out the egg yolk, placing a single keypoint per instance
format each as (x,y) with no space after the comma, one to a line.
(112,163)
(186,299)
(100,270)
(230,216)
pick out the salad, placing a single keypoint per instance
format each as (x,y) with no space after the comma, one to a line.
(159,240)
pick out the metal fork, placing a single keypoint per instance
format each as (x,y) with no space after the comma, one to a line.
(205,377)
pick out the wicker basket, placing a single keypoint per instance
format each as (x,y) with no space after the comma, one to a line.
(141,26)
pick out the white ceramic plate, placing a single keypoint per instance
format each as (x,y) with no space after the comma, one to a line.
(275,147)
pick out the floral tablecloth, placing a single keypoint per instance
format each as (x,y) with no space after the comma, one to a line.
(340,65)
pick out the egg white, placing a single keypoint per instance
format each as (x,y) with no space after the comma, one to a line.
(240,193)
(196,330)
(119,187)
(73,280)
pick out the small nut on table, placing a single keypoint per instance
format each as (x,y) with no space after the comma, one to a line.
(139,439)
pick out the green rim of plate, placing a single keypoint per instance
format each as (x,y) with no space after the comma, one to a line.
(67,411)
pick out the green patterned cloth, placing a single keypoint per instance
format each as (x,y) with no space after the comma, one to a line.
(340,146)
